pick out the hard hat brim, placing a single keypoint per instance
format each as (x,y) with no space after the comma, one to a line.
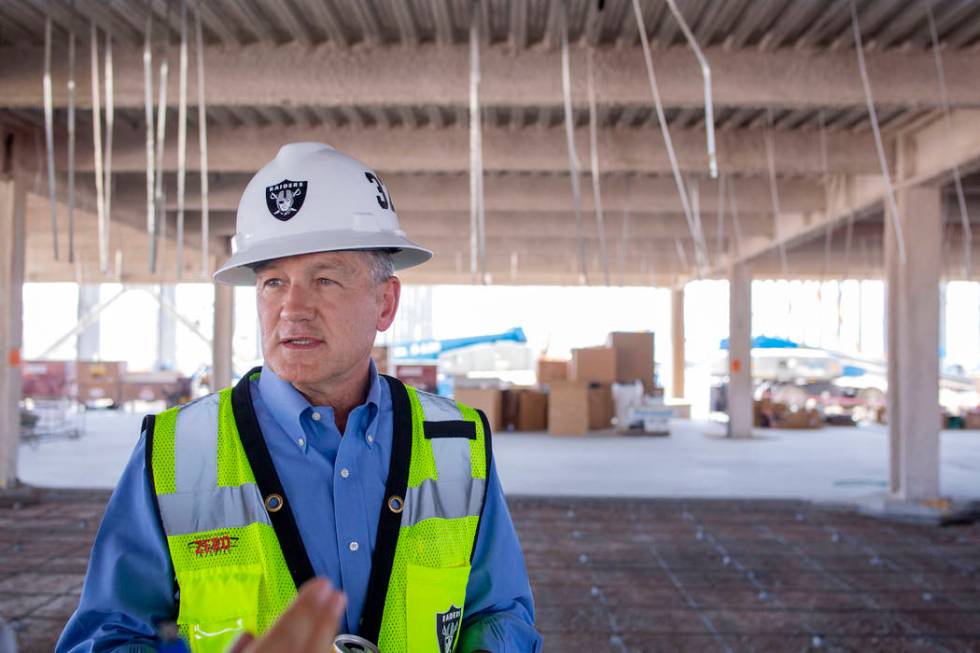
(236,270)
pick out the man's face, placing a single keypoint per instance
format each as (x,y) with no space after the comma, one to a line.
(319,314)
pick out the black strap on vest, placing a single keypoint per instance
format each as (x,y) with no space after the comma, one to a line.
(389,523)
(267,479)
(488,449)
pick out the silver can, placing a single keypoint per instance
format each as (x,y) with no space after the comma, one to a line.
(353,644)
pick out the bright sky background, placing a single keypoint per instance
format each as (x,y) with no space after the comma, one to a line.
(555,319)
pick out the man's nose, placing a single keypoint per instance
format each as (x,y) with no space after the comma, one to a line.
(298,304)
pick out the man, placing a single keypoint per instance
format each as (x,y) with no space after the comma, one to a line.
(314,465)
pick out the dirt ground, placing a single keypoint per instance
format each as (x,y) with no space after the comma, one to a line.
(630,575)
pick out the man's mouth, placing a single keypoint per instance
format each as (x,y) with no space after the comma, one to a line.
(301,343)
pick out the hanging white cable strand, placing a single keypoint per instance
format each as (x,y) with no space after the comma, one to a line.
(682,254)
(594,156)
(573,163)
(474,143)
(202,141)
(181,137)
(825,166)
(720,230)
(151,218)
(109,123)
(709,110)
(848,242)
(891,204)
(160,205)
(695,187)
(957,180)
(736,223)
(71,139)
(664,130)
(49,132)
(770,139)
(97,151)
(624,237)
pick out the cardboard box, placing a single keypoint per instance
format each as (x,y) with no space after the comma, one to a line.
(594,365)
(421,376)
(601,406)
(568,408)
(489,400)
(634,357)
(971,420)
(552,371)
(532,410)
(799,419)
(47,379)
(381,359)
(100,380)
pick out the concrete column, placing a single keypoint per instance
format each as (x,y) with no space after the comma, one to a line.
(224,327)
(167,330)
(13,204)
(87,341)
(677,342)
(913,345)
(740,351)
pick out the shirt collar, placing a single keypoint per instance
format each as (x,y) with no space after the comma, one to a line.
(287,404)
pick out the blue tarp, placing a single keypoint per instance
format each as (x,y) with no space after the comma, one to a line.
(766,342)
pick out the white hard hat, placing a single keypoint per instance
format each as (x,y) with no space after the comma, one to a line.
(311,198)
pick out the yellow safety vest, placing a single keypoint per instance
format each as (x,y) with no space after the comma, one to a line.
(237,553)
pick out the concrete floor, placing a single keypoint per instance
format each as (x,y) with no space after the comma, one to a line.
(832,464)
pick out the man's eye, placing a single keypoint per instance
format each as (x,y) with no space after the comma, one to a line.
(323,281)
(271,283)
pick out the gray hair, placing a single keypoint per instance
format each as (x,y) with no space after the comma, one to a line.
(380,263)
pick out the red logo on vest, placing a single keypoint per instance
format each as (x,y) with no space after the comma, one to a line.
(211,545)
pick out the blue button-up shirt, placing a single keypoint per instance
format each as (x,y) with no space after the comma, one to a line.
(335,484)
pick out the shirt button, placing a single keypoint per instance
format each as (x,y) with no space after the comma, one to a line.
(354,546)
(345,472)
(316,417)
(301,442)
(370,438)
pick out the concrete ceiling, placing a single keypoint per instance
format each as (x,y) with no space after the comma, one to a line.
(388,81)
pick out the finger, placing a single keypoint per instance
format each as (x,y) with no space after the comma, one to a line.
(328,623)
(294,627)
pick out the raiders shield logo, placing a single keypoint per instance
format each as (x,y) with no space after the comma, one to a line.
(285,199)
(447,625)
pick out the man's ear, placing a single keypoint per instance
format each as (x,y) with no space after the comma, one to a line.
(390,293)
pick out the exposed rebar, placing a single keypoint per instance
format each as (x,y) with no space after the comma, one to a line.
(151,218)
(71,140)
(110,112)
(770,139)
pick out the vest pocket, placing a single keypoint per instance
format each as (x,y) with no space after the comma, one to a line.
(434,607)
(217,605)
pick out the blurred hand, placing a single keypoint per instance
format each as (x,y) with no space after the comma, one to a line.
(309,624)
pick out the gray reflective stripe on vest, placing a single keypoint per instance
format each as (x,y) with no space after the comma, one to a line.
(198,504)
(196,446)
(210,510)
(446,499)
(455,493)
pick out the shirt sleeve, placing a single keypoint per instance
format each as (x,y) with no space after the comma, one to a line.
(499,607)
(129,586)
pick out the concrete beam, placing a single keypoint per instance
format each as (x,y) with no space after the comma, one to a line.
(678,353)
(929,157)
(12,234)
(506,192)
(264,75)
(527,149)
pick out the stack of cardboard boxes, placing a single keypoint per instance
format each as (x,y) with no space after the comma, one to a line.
(584,402)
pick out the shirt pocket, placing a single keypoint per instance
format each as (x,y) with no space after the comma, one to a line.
(434,607)
(217,605)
